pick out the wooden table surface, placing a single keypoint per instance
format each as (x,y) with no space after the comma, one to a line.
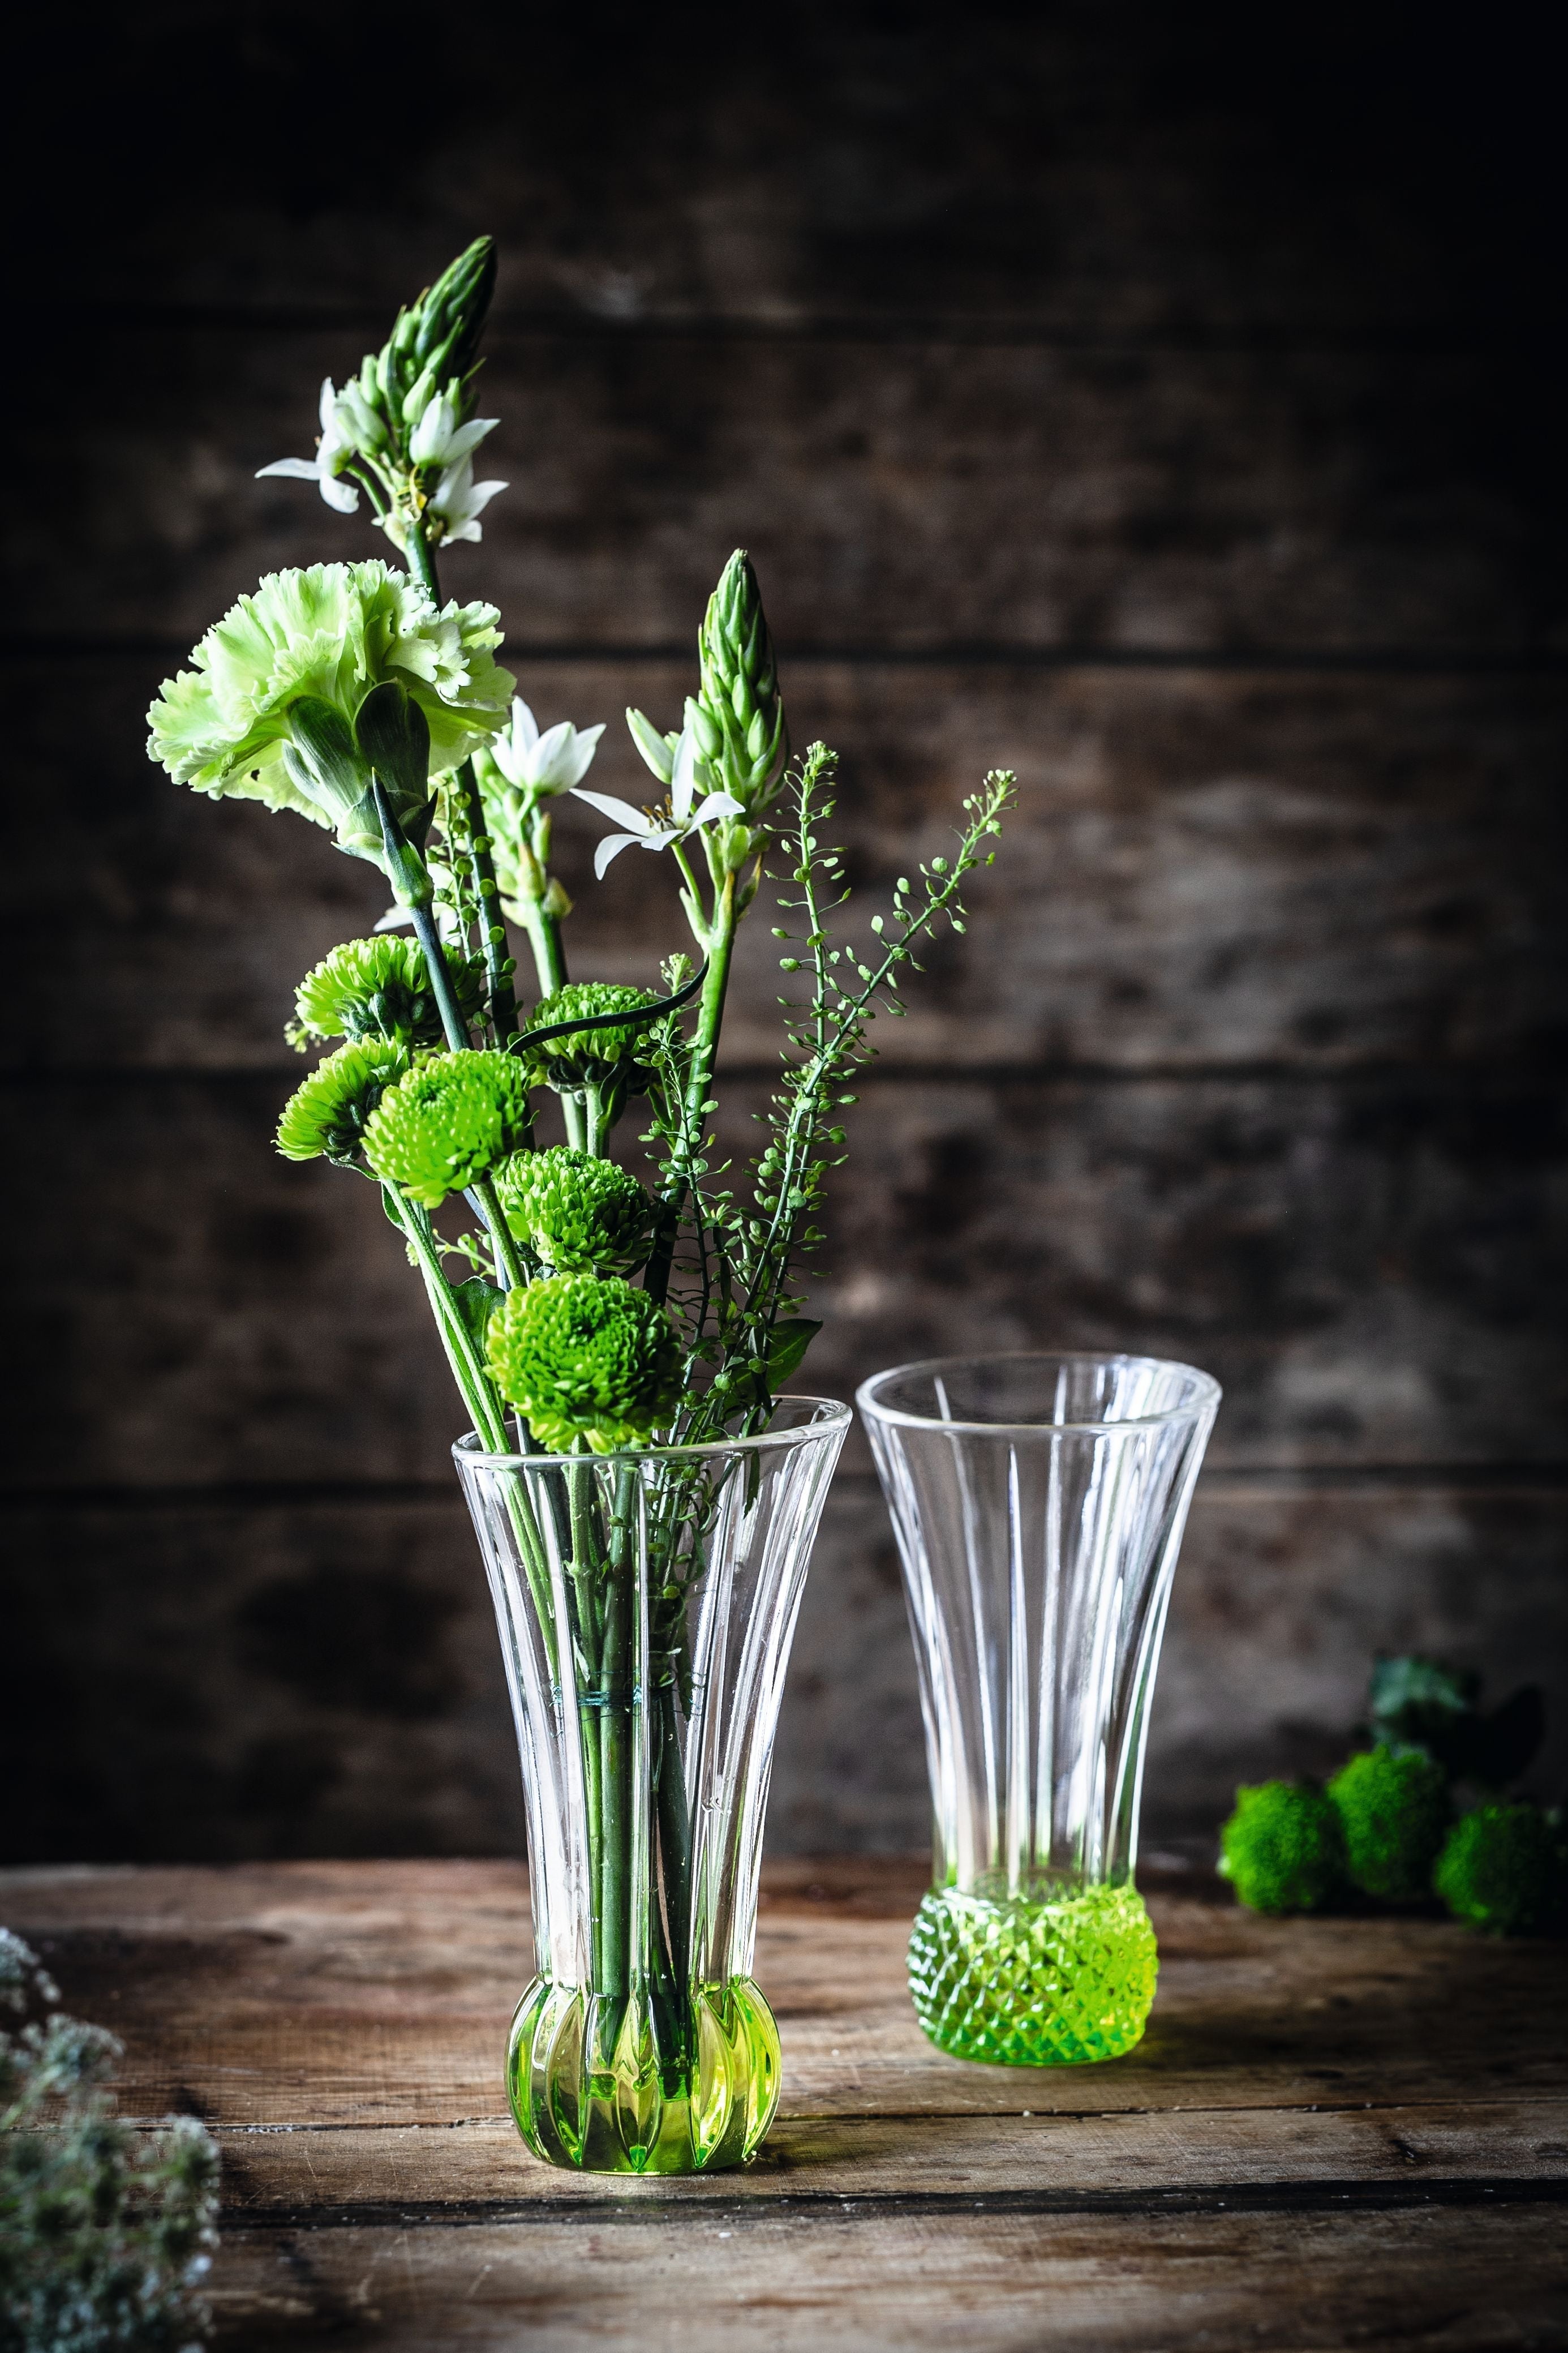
(1337,2132)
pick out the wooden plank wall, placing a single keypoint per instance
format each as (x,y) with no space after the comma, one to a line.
(1101,393)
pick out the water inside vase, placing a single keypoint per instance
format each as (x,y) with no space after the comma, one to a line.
(617,2084)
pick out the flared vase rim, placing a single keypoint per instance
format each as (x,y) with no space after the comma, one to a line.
(831,1418)
(1205,1399)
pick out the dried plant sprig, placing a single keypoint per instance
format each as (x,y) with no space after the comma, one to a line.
(106,2233)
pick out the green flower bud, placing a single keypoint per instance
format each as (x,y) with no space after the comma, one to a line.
(586,1057)
(326,1117)
(1283,1850)
(585,1358)
(1394,1811)
(576,1213)
(448,1123)
(380,988)
(739,716)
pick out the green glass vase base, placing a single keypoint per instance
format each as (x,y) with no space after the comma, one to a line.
(1034,1980)
(595,2086)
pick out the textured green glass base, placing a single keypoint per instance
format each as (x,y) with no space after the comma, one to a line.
(1037,1980)
(590,2089)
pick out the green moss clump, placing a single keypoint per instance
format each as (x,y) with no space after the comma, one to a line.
(1505,1868)
(1394,1809)
(1283,1850)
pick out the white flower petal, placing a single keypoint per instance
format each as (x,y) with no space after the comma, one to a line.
(328,404)
(610,848)
(466,439)
(341,495)
(716,805)
(622,811)
(579,759)
(298,470)
(552,745)
(683,778)
(524,726)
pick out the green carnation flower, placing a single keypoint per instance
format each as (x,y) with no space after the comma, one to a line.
(585,1358)
(326,1117)
(589,1056)
(577,1213)
(1283,1850)
(381,989)
(333,632)
(1393,1806)
(447,1123)
(1505,1868)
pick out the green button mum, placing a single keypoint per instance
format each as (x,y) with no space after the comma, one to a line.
(381,989)
(585,1358)
(447,1123)
(591,1055)
(576,1213)
(326,1117)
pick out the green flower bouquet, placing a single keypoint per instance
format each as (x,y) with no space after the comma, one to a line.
(645,1496)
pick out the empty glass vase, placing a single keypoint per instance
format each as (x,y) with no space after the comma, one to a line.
(646,1602)
(1038,1502)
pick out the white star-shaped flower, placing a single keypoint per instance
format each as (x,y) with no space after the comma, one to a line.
(439,441)
(333,450)
(681,815)
(552,763)
(460,500)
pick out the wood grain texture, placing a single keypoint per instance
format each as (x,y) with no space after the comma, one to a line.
(1324,872)
(1164,501)
(1362,1266)
(277,1674)
(1165,408)
(1335,2129)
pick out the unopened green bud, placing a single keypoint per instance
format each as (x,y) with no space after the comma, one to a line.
(739,712)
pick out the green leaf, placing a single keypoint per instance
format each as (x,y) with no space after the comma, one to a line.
(393,735)
(326,765)
(788,1344)
(477,1302)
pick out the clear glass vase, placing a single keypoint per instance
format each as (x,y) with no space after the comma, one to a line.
(1038,1502)
(646,1602)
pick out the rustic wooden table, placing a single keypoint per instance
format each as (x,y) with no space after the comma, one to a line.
(1338,2132)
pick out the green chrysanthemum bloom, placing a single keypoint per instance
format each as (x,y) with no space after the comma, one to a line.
(327,1116)
(588,1056)
(1394,1809)
(1283,1850)
(1505,1868)
(576,1213)
(381,989)
(447,1123)
(584,1357)
(333,631)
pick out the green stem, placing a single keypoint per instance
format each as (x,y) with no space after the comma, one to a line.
(468,1372)
(486,891)
(545,939)
(700,1079)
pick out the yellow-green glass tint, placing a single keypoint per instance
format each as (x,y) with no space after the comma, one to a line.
(1042,1980)
(589,2087)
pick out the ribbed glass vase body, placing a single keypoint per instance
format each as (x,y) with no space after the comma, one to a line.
(1038,1502)
(645,1604)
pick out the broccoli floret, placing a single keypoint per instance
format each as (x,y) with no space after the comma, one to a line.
(1394,1809)
(1283,1850)
(1505,1868)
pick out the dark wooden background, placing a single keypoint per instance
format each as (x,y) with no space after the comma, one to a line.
(1157,403)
